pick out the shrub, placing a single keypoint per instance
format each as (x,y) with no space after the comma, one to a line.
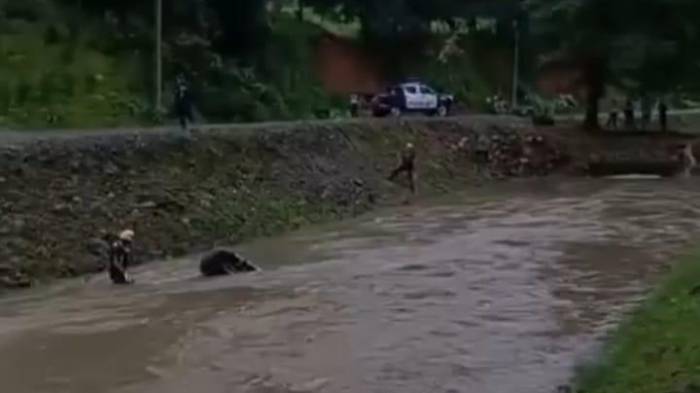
(23,92)
(51,35)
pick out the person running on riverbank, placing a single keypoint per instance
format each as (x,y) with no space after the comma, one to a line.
(120,257)
(407,163)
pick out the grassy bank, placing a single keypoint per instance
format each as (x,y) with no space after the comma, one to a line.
(658,349)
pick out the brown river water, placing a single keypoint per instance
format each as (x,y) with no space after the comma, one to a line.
(505,289)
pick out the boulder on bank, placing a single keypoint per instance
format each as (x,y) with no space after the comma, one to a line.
(222,262)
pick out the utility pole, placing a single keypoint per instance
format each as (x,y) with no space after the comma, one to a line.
(516,65)
(158,55)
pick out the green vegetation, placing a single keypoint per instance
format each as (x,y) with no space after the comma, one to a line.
(642,47)
(70,63)
(658,349)
(89,63)
(52,76)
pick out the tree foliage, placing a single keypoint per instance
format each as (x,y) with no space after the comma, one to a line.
(391,18)
(637,45)
(641,45)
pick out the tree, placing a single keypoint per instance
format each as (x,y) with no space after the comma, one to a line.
(409,17)
(642,43)
(240,26)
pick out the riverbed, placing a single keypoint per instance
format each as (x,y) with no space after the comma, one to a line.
(503,289)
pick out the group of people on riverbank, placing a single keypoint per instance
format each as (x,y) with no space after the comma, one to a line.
(645,106)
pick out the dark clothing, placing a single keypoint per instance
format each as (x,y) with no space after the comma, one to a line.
(185,118)
(612,120)
(646,112)
(119,260)
(629,115)
(408,158)
(354,106)
(407,165)
(183,105)
(613,115)
(663,116)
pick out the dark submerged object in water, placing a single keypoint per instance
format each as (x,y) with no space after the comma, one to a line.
(223,262)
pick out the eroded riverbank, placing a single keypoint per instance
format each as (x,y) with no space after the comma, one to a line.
(59,193)
(500,290)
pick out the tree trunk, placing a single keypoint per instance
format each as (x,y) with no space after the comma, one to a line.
(300,11)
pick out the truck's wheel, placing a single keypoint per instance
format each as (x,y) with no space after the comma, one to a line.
(442,111)
(395,112)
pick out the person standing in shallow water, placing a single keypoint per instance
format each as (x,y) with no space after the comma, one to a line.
(120,257)
(407,164)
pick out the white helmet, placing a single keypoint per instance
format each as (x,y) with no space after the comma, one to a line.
(126,235)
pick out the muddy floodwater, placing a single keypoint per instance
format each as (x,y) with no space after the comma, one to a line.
(504,289)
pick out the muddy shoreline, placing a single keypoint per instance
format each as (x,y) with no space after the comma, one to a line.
(59,195)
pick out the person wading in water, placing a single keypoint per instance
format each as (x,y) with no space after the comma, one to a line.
(407,164)
(120,257)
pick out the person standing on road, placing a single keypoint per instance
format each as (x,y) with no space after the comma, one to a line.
(612,117)
(663,115)
(407,163)
(629,114)
(646,109)
(183,103)
(354,105)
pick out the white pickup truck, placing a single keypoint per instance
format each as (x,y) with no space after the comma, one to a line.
(411,97)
